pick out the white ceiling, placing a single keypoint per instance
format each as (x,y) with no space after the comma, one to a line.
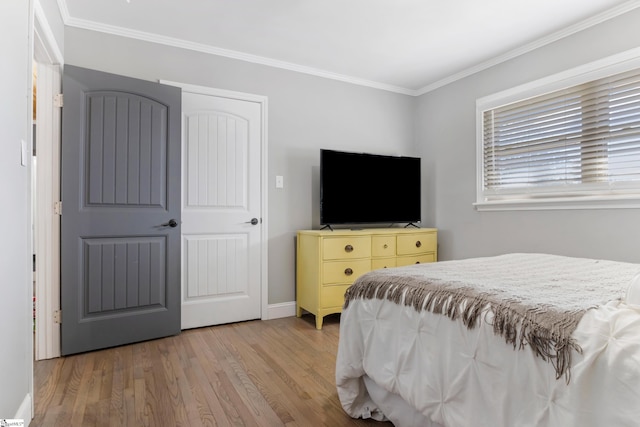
(407,46)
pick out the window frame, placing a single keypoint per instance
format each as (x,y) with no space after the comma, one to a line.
(605,67)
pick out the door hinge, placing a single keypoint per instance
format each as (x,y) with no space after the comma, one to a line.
(58,100)
(57,316)
(57,208)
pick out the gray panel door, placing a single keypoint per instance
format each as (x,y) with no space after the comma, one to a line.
(120,258)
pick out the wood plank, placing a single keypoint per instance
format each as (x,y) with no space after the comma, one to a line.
(260,373)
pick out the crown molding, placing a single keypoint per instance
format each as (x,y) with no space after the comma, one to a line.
(44,33)
(64,11)
(212,50)
(572,29)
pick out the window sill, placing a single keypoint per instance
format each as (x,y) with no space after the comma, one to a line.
(585,202)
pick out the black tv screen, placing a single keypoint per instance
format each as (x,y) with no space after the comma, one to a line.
(361,188)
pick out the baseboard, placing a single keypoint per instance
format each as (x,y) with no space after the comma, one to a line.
(283,309)
(24,411)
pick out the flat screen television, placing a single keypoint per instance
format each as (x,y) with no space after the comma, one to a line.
(362,188)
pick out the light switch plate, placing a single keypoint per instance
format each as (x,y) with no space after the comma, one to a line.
(23,152)
(279,181)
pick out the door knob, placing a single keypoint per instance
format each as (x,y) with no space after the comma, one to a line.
(254,221)
(172,223)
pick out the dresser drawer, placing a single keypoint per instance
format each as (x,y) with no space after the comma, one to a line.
(333,295)
(346,247)
(344,271)
(383,246)
(378,263)
(416,243)
(416,259)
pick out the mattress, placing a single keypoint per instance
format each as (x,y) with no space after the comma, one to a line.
(419,368)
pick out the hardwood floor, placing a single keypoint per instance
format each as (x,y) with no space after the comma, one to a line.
(261,373)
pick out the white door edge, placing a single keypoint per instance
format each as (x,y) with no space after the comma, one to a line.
(47,240)
(263,102)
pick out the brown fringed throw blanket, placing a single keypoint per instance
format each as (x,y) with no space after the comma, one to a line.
(536,299)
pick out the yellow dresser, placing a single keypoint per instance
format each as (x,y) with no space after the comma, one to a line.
(329,261)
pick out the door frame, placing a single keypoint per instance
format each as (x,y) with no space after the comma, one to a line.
(47,236)
(263,102)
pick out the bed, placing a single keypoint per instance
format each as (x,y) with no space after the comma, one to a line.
(511,340)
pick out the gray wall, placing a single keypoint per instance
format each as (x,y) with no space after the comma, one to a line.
(306,113)
(15,245)
(445,136)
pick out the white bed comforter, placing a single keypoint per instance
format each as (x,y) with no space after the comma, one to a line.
(423,369)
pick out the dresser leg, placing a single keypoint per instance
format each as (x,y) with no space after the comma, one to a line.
(298,311)
(319,322)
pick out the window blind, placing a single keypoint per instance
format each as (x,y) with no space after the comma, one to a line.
(582,140)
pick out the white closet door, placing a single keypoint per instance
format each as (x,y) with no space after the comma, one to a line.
(221,224)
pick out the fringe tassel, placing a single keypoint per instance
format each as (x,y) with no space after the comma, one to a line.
(547,332)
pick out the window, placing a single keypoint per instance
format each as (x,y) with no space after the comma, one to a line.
(572,140)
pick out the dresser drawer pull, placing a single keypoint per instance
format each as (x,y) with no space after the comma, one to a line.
(348,272)
(417,262)
(418,244)
(348,248)
(385,246)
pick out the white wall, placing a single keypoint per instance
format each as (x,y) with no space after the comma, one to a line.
(15,245)
(306,113)
(445,135)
